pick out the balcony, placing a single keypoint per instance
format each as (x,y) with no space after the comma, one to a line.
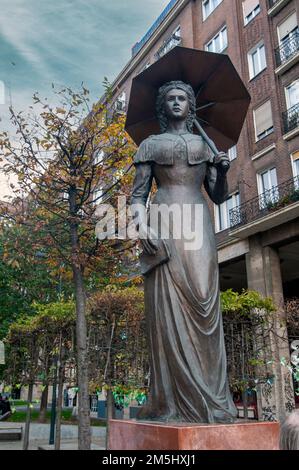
(119,106)
(290,119)
(171,42)
(275,206)
(288,51)
(276,5)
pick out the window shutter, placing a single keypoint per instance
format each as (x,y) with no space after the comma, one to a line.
(287,26)
(295,156)
(263,118)
(249,6)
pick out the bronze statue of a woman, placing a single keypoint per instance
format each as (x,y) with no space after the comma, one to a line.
(182,305)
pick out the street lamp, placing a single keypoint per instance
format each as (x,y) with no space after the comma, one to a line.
(53,405)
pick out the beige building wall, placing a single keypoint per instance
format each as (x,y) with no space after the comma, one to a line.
(5,182)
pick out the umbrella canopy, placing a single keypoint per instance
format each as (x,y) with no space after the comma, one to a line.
(222,99)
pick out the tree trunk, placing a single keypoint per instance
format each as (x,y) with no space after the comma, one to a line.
(59,406)
(44,404)
(108,380)
(28,417)
(84,436)
(110,407)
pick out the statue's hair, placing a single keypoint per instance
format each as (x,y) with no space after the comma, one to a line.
(160,103)
(289,432)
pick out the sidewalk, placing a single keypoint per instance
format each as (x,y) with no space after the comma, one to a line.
(39,437)
(44,445)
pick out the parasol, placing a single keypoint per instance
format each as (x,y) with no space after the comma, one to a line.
(222,99)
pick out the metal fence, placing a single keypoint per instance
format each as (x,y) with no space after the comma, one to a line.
(273,199)
(288,49)
(291,118)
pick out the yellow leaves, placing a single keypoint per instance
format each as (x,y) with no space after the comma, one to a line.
(60,111)
(5,255)
(46,144)
(13,263)
(138,280)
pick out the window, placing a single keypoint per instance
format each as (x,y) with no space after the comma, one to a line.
(256,60)
(292,94)
(219,42)
(120,103)
(222,219)
(99,157)
(267,186)
(263,121)
(208,6)
(169,43)
(288,28)
(251,8)
(144,67)
(232,153)
(97,196)
(295,165)
(288,33)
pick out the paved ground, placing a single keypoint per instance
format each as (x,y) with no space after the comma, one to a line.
(39,438)
(35,445)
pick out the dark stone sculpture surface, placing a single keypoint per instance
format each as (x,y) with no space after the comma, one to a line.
(182,302)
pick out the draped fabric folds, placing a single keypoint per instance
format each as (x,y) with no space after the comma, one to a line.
(182,305)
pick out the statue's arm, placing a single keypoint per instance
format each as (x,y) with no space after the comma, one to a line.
(141,189)
(216,181)
(142,183)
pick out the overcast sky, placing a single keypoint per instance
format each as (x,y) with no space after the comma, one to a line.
(67,42)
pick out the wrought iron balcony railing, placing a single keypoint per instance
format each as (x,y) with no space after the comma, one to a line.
(120,106)
(288,49)
(291,118)
(170,43)
(271,3)
(271,200)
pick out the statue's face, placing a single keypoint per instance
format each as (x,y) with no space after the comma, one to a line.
(176,104)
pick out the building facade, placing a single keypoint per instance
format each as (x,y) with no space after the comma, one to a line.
(257,228)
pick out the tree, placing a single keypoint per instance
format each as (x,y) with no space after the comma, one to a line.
(117,344)
(40,344)
(35,344)
(25,276)
(62,158)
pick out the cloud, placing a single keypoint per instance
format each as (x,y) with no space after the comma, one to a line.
(68,41)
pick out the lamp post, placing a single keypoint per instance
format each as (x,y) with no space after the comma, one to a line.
(53,405)
(40,254)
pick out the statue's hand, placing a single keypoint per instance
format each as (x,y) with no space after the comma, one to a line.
(147,238)
(222,163)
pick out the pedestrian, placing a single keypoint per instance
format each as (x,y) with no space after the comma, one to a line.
(6,406)
(289,432)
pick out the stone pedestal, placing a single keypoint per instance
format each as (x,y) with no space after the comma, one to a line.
(140,435)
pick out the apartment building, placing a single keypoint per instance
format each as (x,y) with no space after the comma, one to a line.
(257,228)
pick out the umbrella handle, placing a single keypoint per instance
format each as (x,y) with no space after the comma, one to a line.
(208,141)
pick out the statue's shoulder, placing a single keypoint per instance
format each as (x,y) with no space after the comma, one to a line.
(142,154)
(193,138)
(157,138)
(162,137)
(150,148)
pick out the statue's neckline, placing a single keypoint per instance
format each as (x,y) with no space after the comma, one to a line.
(179,133)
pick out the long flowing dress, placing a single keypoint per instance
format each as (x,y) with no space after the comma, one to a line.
(182,305)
